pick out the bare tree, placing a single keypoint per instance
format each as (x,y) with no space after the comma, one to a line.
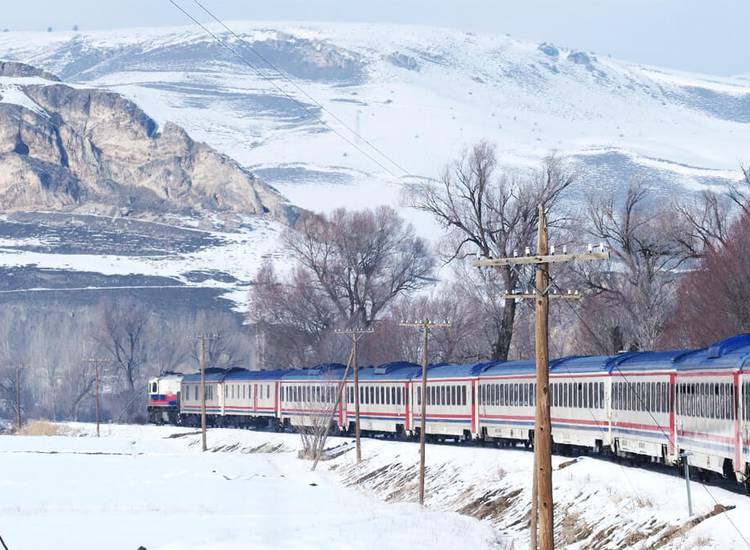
(361,260)
(493,212)
(293,317)
(712,299)
(79,384)
(702,223)
(634,292)
(352,266)
(124,335)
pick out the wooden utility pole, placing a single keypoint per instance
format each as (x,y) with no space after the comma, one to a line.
(202,362)
(97,388)
(543,426)
(425,326)
(356,334)
(542,518)
(204,447)
(18,398)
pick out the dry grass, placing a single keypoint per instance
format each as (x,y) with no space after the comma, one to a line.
(42,427)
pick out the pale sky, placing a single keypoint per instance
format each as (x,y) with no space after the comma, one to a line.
(708,36)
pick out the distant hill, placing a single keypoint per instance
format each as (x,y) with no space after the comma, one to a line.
(418,94)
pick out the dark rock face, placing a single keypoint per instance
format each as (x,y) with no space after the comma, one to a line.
(93,150)
(14,68)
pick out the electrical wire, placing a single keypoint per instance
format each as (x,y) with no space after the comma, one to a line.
(291,81)
(306,107)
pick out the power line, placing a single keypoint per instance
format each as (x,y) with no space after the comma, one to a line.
(290,97)
(291,81)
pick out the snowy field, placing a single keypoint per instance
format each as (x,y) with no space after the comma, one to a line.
(139,486)
(134,487)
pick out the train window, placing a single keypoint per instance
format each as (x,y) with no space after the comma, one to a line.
(597,395)
(571,395)
(419,395)
(497,393)
(463,395)
(453,396)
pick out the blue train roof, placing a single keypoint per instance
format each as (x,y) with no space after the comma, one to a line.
(579,364)
(730,353)
(243,374)
(213,374)
(507,368)
(647,360)
(397,370)
(444,370)
(325,371)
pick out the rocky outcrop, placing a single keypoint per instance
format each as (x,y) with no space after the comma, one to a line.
(14,68)
(86,149)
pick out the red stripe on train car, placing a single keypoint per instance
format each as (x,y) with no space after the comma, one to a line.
(708,437)
(636,426)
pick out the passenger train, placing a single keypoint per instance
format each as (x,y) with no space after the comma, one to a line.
(653,406)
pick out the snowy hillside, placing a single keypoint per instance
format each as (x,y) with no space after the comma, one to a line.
(417,94)
(150,485)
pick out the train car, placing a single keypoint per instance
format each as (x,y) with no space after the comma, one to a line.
(451,397)
(708,406)
(506,401)
(642,404)
(384,397)
(190,402)
(250,397)
(164,398)
(309,396)
(579,397)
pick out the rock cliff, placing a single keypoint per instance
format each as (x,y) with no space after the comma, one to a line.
(90,150)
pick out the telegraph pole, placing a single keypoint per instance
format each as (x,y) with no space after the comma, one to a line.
(542,510)
(97,395)
(356,334)
(18,397)
(202,361)
(425,326)
(203,392)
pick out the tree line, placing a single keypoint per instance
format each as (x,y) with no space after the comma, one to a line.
(52,355)
(677,275)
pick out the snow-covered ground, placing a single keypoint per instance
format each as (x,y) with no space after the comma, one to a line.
(139,486)
(134,487)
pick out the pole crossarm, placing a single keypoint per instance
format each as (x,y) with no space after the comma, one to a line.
(541,259)
(425,325)
(532,296)
(355,332)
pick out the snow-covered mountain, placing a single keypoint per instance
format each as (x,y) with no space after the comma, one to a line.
(417,94)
